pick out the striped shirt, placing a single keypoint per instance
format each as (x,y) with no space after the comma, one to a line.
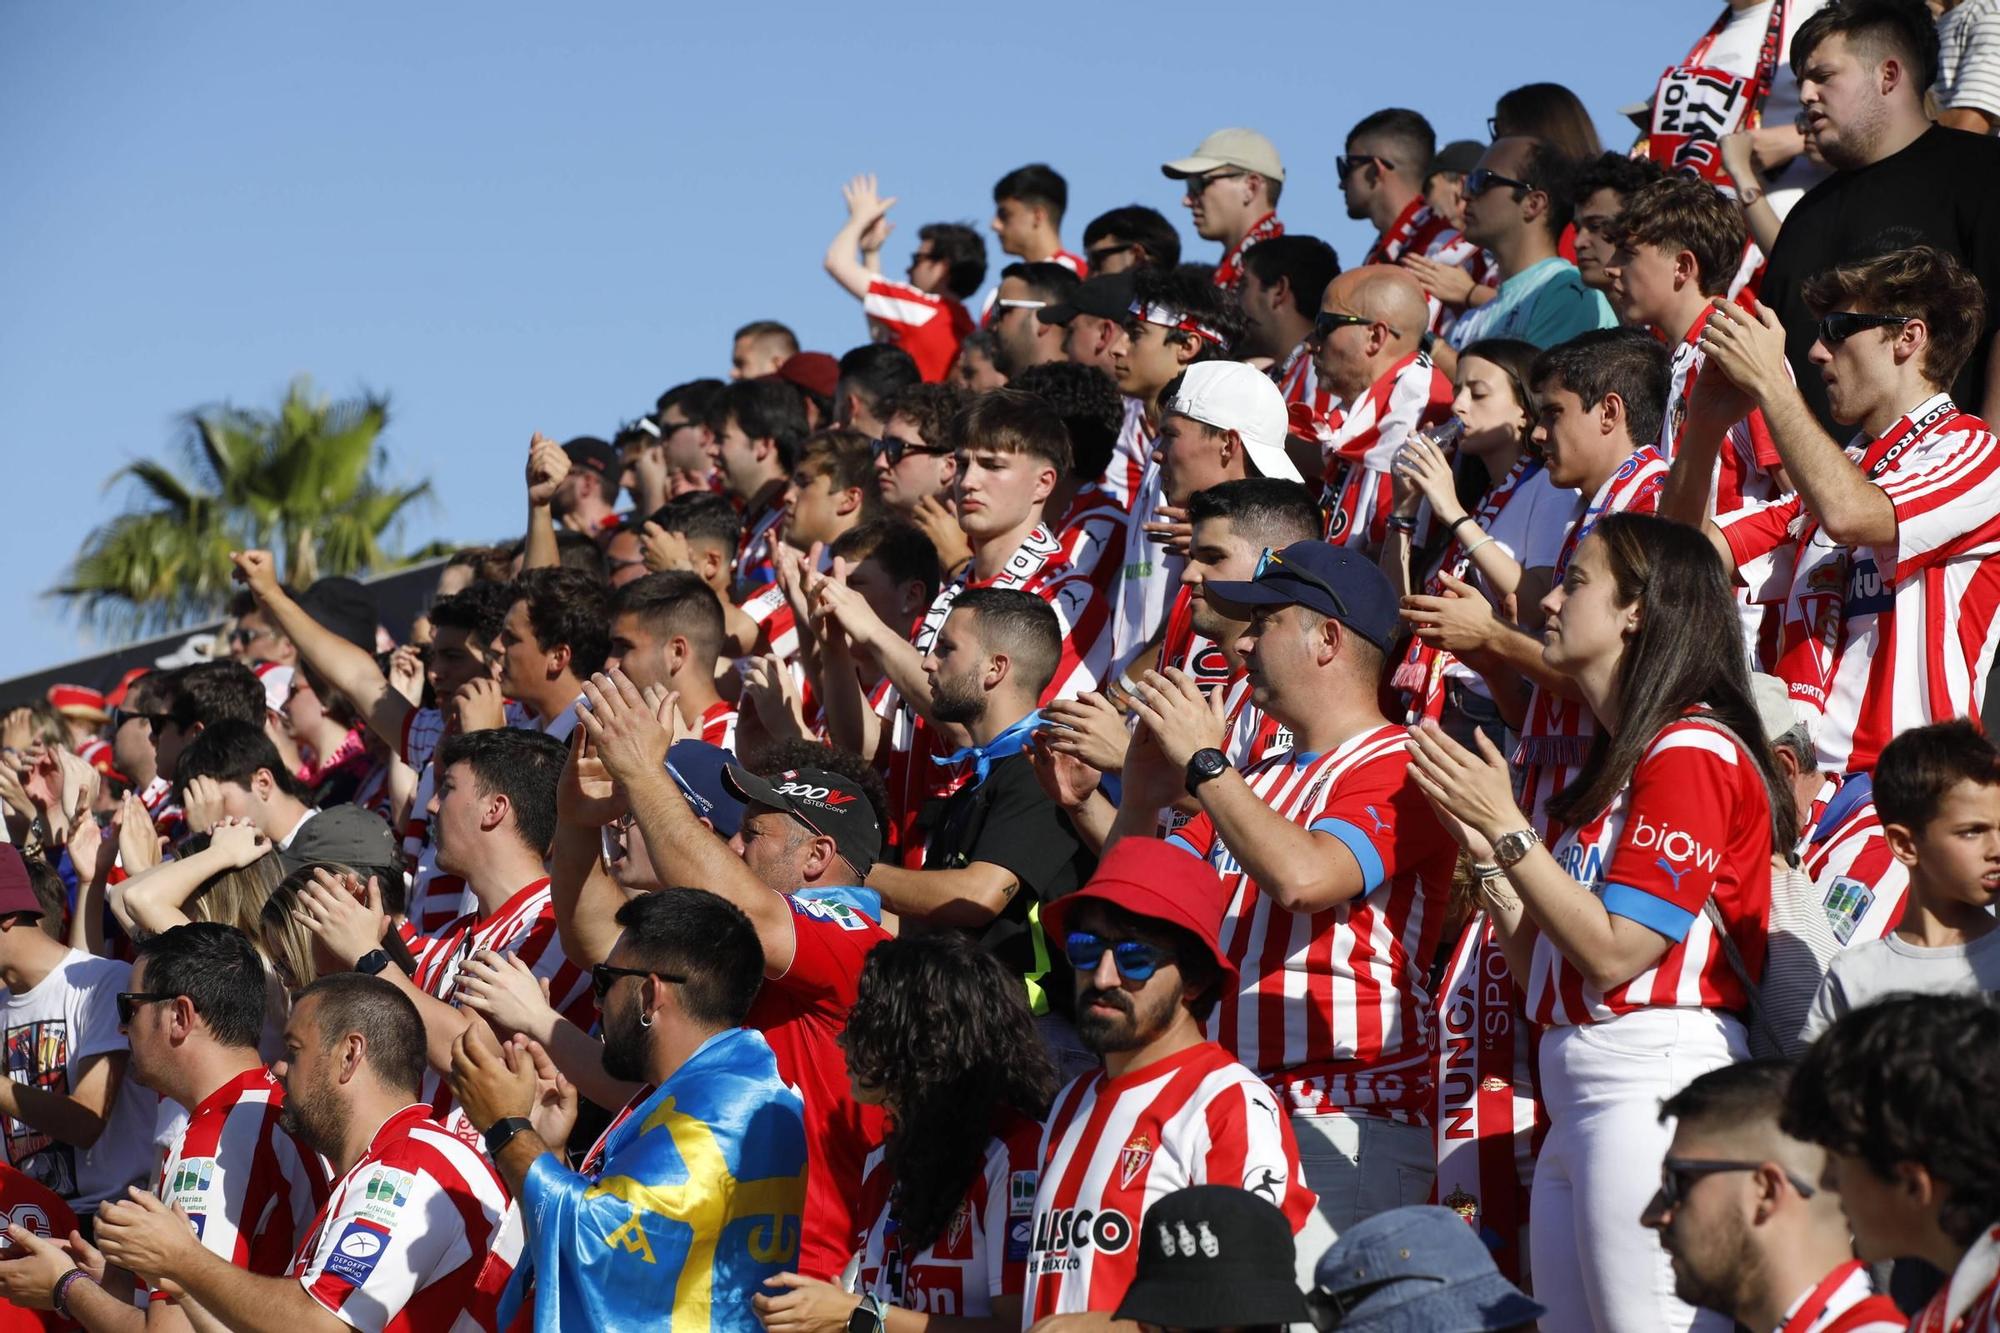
(251,1189)
(1969,57)
(1359,443)
(1334,1009)
(1113,1146)
(1880,639)
(1694,822)
(417,1236)
(1861,884)
(927,325)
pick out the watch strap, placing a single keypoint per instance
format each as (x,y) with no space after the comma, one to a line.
(503,1131)
(370,964)
(1509,848)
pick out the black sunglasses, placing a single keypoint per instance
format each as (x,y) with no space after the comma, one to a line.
(1678,1174)
(1482,180)
(603,977)
(120,716)
(1325,323)
(1343,165)
(130,1000)
(1841,325)
(1096,257)
(893,449)
(1273,560)
(1196,184)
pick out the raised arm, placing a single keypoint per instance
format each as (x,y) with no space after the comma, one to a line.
(860,238)
(347,667)
(548,466)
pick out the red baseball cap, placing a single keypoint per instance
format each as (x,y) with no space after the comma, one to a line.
(116,698)
(1147,878)
(78,701)
(815,372)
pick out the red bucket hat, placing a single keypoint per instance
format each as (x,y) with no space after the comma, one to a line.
(1147,878)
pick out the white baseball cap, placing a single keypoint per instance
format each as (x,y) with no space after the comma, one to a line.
(1229,395)
(1245,150)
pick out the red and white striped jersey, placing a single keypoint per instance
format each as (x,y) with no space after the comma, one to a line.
(1419,231)
(417,1236)
(1558,731)
(983,1252)
(1126,472)
(1230,271)
(926,325)
(1181,646)
(1092,536)
(1359,443)
(169,820)
(1880,639)
(251,1190)
(1694,821)
(777,625)
(755,562)
(1743,465)
(1072,261)
(1861,883)
(1335,1006)
(1970,1302)
(1114,1146)
(1844,1301)
(524,927)
(1306,403)
(718,725)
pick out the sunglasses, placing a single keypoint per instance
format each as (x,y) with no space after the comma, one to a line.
(893,450)
(1272,560)
(1841,325)
(1095,258)
(130,1000)
(1324,324)
(1342,166)
(1134,959)
(1482,180)
(248,635)
(603,976)
(1678,1174)
(1197,184)
(120,716)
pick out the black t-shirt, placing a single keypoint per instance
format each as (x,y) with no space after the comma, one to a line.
(1009,821)
(1944,189)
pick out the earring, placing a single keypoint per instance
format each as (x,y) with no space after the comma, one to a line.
(645,1020)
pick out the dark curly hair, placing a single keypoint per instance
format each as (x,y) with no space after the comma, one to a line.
(797,753)
(1910,1079)
(943,1028)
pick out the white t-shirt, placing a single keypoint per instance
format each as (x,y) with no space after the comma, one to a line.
(1735,49)
(1892,965)
(53,1028)
(1530,528)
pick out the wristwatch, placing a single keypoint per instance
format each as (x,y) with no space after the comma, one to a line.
(503,1131)
(867,1316)
(1509,848)
(371,963)
(1203,765)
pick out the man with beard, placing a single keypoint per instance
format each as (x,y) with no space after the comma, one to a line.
(1021,338)
(410,1237)
(1753,1233)
(1001,848)
(194,1017)
(1168,1109)
(692,1197)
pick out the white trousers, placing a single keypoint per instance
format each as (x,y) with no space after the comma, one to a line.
(1596,1268)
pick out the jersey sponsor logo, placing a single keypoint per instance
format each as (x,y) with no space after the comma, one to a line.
(358,1250)
(192,1179)
(1584,864)
(1062,1230)
(385,1192)
(1132,1159)
(1847,901)
(1868,593)
(28,1217)
(1266,1184)
(1673,845)
(1375,818)
(807,791)
(1021,1193)
(1020,1232)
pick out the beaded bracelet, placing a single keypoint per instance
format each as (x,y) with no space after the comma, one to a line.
(59,1297)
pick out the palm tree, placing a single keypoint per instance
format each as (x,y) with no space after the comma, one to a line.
(304,481)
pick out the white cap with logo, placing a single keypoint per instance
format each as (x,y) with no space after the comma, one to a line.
(1245,150)
(1229,395)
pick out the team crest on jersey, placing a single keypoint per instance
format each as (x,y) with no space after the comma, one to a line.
(961,1223)
(1493,1083)
(1465,1205)
(1132,1159)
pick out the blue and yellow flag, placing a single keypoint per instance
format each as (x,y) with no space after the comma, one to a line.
(698,1200)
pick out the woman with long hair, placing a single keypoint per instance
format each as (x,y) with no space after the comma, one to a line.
(1626,927)
(940,1036)
(1549,112)
(1493,535)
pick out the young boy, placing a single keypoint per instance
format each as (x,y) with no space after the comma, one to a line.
(1937,789)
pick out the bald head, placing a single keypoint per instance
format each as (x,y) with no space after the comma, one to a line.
(1353,355)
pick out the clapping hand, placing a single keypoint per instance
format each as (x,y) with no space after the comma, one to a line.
(1181,719)
(1089,728)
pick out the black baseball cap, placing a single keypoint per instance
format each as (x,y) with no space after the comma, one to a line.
(1107,296)
(1459,157)
(593,455)
(824,802)
(1214,1256)
(343,606)
(1331,580)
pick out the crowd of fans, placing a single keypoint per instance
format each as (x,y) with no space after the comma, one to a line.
(1438,791)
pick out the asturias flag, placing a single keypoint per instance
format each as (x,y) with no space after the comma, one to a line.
(690,1200)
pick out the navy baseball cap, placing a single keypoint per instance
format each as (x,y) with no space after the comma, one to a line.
(1417,1269)
(697,768)
(1331,580)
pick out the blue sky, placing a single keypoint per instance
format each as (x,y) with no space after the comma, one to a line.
(514,218)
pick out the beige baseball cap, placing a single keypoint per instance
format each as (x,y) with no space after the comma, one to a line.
(1228,395)
(1246,150)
